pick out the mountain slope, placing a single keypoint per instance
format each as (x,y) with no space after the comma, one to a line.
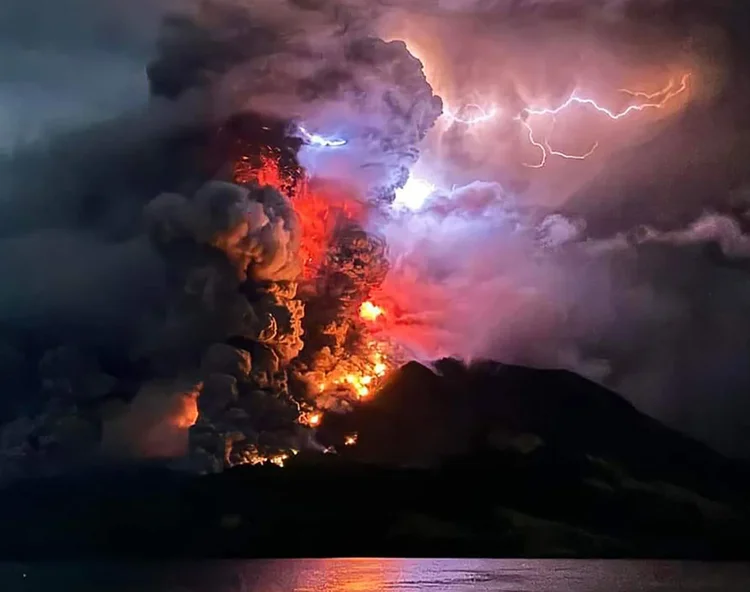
(489,460)
(421,416)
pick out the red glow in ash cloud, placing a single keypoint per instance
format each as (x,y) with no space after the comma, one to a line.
(320,206)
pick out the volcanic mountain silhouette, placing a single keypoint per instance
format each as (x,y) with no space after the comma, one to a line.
(485,459)
(422,417)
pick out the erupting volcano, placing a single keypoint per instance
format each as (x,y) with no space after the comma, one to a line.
(328,359)
(302,213)
(255,333)
(324,260)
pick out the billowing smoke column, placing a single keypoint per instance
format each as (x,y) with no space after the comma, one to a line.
(261,269)
(340,262)
(225,267)
(234,255)
(375,96)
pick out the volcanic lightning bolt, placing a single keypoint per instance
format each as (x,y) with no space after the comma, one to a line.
(657,100)
(666,94)
(547,150)
(318,140)
(654,100)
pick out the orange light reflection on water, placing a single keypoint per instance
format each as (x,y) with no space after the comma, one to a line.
(377,574)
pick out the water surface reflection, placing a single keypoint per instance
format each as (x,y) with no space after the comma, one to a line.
(374,575)
(482,575)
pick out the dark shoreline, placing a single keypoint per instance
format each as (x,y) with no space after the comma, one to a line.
(335,509)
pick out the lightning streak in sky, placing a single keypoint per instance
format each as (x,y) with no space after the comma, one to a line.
(658,100)
(535,144)
(553,152)
(653,95)
(547,150)
(666,94)
(655,100)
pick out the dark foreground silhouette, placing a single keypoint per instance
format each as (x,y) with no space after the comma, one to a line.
(491,460)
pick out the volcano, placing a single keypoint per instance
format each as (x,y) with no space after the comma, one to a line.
(217,299)
(423,417)
(484,460)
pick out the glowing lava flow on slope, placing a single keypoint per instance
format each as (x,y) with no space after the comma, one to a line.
(359,374)
(255,457)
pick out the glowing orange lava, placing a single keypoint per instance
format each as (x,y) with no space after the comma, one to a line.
(369,312)
(320,209)
(267,172)
(359,374)
(311,419)
(254,457)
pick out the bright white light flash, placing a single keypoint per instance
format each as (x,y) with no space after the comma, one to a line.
(413,194)
(482,114)
(321,141)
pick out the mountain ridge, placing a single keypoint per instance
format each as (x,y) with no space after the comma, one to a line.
(479,460)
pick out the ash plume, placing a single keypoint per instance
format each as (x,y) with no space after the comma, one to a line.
(257,242)
(163,305)
(155,425)
(157,307)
